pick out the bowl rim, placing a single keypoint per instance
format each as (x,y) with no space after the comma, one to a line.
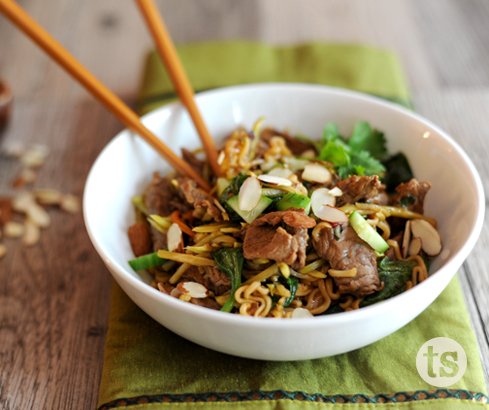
(447,271)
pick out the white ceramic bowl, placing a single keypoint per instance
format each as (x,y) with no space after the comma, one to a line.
(125,167)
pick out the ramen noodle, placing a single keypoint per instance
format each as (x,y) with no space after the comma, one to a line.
(291,228)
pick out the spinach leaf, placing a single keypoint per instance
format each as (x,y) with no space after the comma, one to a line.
(394,274)
(407,200)
(230,261)
(398,171)
(292,284)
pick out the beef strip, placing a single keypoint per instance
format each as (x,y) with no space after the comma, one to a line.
(206,302)
(162,199)
(346,253)
(381,199)
(140,239)
(390,253)
(195,163)
(416,190)
(211,277)
(198,198)
(193,274)
(216,280)
(357,189)
(295,145)
(280,236)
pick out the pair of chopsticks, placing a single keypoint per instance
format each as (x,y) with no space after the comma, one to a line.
(127,116)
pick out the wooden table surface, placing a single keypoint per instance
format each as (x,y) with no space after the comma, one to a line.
(55,297)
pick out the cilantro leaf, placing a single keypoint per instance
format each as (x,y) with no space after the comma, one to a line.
(364,138)
(345,171)
(359,155)
(336,152)
(331,132)
(376,144)
(359,136)
(370,165)
(359,170)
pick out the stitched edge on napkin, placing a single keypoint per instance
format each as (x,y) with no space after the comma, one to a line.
(444,397)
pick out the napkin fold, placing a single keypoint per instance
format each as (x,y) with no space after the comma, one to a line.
(148,367)
(219,64)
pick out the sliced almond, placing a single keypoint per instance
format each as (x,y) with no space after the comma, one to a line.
(193,289)
(335,191)
(48,196)
(331,214)
(406,239)
(38,215)
(175,293)
(430,238)
(414,247)
(32,233)
(321,197)
(281,172)
(23,201)
(35,156)
(160,286)
(175,238)
(300,313)
(13,229)
(70,203)
(309,153)
(316,173)
(249,194)
(273,180)
(3,250)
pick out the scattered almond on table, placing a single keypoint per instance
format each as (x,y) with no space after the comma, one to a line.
(25,215)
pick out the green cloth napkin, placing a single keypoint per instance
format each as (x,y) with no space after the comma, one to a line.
(212,65)
(148,367)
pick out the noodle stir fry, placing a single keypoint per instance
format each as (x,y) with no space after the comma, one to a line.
(293,228)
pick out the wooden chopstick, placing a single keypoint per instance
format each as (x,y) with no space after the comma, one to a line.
(179,78)
(44,40)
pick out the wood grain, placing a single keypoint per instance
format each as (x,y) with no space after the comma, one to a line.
(54,298)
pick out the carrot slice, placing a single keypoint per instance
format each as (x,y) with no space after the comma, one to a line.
(175,217)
